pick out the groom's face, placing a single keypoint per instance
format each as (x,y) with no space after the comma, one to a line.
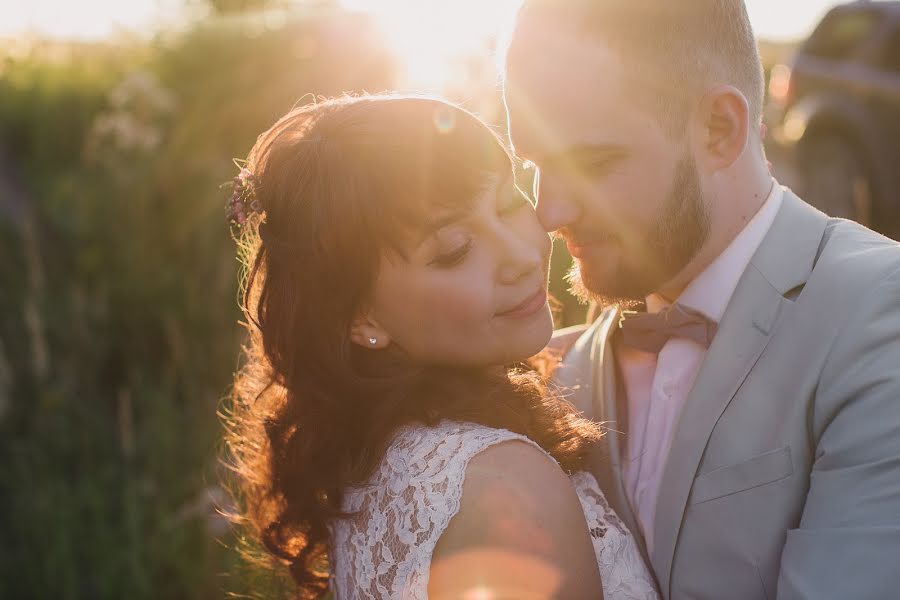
(621,190)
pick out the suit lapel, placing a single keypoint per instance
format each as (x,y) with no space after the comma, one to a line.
(574,375)
(606,461)
(782,263)
(588,379)
(743,334)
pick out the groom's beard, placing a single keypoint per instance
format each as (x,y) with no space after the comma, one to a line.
(670,244)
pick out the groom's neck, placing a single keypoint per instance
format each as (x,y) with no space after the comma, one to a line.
(733,197)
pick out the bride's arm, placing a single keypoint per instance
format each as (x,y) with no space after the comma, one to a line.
(520,532)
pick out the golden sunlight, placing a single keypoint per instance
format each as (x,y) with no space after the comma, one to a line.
(415,25)
(433,38)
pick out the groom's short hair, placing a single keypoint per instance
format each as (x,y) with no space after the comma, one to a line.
(676,47)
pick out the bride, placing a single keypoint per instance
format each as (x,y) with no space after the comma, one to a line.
(384,447)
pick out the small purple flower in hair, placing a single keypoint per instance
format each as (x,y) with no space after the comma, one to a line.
(243,201)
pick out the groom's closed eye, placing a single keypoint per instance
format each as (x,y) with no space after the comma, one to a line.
(594,161)
(585,160)
(599,168)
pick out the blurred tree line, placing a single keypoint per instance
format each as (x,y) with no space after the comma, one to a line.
(118,291)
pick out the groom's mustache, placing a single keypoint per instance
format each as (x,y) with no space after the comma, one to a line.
(583,237)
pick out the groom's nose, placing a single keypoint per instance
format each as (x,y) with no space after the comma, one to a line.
(557,205)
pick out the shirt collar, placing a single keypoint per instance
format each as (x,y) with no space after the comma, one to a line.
(711,291)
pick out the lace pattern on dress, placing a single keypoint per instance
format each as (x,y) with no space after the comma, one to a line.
(385,549)
(622,568)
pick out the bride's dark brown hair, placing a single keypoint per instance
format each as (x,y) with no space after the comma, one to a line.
(340,184)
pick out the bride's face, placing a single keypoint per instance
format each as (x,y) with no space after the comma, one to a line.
(472,288)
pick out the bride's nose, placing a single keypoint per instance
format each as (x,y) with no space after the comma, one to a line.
(520,256)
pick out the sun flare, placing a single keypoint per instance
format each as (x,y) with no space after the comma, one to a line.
(432,38)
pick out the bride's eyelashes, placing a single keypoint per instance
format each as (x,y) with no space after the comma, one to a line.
(452,258)
(517,200)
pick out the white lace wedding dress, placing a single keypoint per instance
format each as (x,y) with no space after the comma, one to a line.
(385,550)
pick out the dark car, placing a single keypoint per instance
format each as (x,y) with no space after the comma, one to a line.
(838,108)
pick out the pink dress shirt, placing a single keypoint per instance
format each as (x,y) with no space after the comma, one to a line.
(657,385)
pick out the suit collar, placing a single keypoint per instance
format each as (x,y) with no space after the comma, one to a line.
(710,292)
(788,253)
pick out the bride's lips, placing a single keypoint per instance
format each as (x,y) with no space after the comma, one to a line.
(528,307)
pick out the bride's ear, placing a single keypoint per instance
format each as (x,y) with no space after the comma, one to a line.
(366,332)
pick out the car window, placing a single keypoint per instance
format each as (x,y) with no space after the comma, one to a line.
(841,33)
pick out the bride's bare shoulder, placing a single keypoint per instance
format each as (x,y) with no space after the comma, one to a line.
(520,527)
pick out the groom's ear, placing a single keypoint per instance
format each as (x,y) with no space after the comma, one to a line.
(723,123)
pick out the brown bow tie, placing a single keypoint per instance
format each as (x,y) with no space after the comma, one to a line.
(650,331)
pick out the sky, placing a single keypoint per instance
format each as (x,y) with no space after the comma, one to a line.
(92,19)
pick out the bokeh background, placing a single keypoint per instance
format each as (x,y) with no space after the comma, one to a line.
(118,280)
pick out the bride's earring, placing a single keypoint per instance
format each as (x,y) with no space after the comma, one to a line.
(373,341)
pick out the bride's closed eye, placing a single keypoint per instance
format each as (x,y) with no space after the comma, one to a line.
(452,250)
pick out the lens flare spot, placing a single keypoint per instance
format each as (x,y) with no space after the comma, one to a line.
(444,120)
(479,593)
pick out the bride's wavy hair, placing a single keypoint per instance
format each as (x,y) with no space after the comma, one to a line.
(340,183)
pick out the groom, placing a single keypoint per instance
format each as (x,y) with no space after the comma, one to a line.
(754,399)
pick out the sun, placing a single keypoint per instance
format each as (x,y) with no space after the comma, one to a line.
(432,38)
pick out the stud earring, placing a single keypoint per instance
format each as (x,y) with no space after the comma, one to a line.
(373,341)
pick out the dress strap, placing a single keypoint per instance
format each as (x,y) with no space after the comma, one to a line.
(385,549)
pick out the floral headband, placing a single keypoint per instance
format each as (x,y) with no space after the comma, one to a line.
(243,201)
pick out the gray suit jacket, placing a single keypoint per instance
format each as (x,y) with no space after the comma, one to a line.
(783,478)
